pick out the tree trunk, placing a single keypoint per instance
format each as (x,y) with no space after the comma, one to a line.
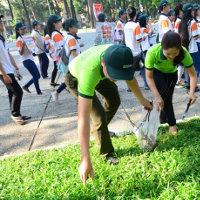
(109,7)
(91,13)
(124,5)
(132,3)
(32,9)
(73,10)
(27,16)
(120,3)
(55,12)
(11,12)
(57,7)
(68,14)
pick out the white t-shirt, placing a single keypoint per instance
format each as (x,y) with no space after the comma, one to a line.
(52,50)
(5,59)
(71,44)
(193,32)
(145,44)
(58,39)
(119,27)
(198,24)
(164,25)
(132,33)
(27,54)
(177,24)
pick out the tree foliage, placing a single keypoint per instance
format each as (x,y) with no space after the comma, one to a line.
(74,8)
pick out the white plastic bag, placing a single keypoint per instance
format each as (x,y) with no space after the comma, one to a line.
(146,129)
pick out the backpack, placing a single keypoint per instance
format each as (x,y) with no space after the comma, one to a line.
(62,55)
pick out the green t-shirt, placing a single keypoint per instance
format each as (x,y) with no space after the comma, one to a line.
(88,71)
(156,59)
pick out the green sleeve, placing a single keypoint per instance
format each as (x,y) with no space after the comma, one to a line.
(149,61)
(187,61)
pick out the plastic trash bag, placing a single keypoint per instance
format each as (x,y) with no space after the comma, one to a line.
(146,129)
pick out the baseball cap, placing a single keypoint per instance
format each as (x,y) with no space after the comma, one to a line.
(164,3)
(138,13)
(19,26)
(142,18)
(35,23)
(196,6)
(171,12)
(70,22)
(187,7)
(121,12)
(101,17)
(119,62)
(53,18)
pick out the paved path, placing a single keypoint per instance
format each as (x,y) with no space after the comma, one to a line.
(53,124)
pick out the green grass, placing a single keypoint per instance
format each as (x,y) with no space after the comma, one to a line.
(170,171)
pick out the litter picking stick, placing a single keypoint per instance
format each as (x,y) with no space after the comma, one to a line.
(186,110)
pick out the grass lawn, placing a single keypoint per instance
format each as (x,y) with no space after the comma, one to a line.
(170,171)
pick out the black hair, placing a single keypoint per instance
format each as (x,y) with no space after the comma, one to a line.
(177,9)
(50,28)
(183,28)
(143,23)
(131,12)
(17,34)
(66,27)
(171,40)
(195,16)
(45,30)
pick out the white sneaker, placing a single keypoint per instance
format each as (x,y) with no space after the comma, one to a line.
(54,97)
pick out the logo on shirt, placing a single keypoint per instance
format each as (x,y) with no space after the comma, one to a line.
(159,62)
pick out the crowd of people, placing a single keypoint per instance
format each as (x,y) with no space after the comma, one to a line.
(98,68)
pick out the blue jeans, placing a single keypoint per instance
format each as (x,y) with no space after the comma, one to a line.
(44,64)
(32,68)
(196,61)
(61,88)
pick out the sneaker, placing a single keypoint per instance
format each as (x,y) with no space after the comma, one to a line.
(180,83)
(146,88)
(112,134)
(46,77)
(42,94)
(196,89)
(54,84)
(112,158)
(54,97)
(26,89)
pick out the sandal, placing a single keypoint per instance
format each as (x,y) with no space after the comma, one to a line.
(18,120)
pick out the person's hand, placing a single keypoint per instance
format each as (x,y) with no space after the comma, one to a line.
(191,98)
(17,71)
(159,103)
(143,38)
(82,45)
(7,78)
(85,168)
(147,104)
(23,43)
